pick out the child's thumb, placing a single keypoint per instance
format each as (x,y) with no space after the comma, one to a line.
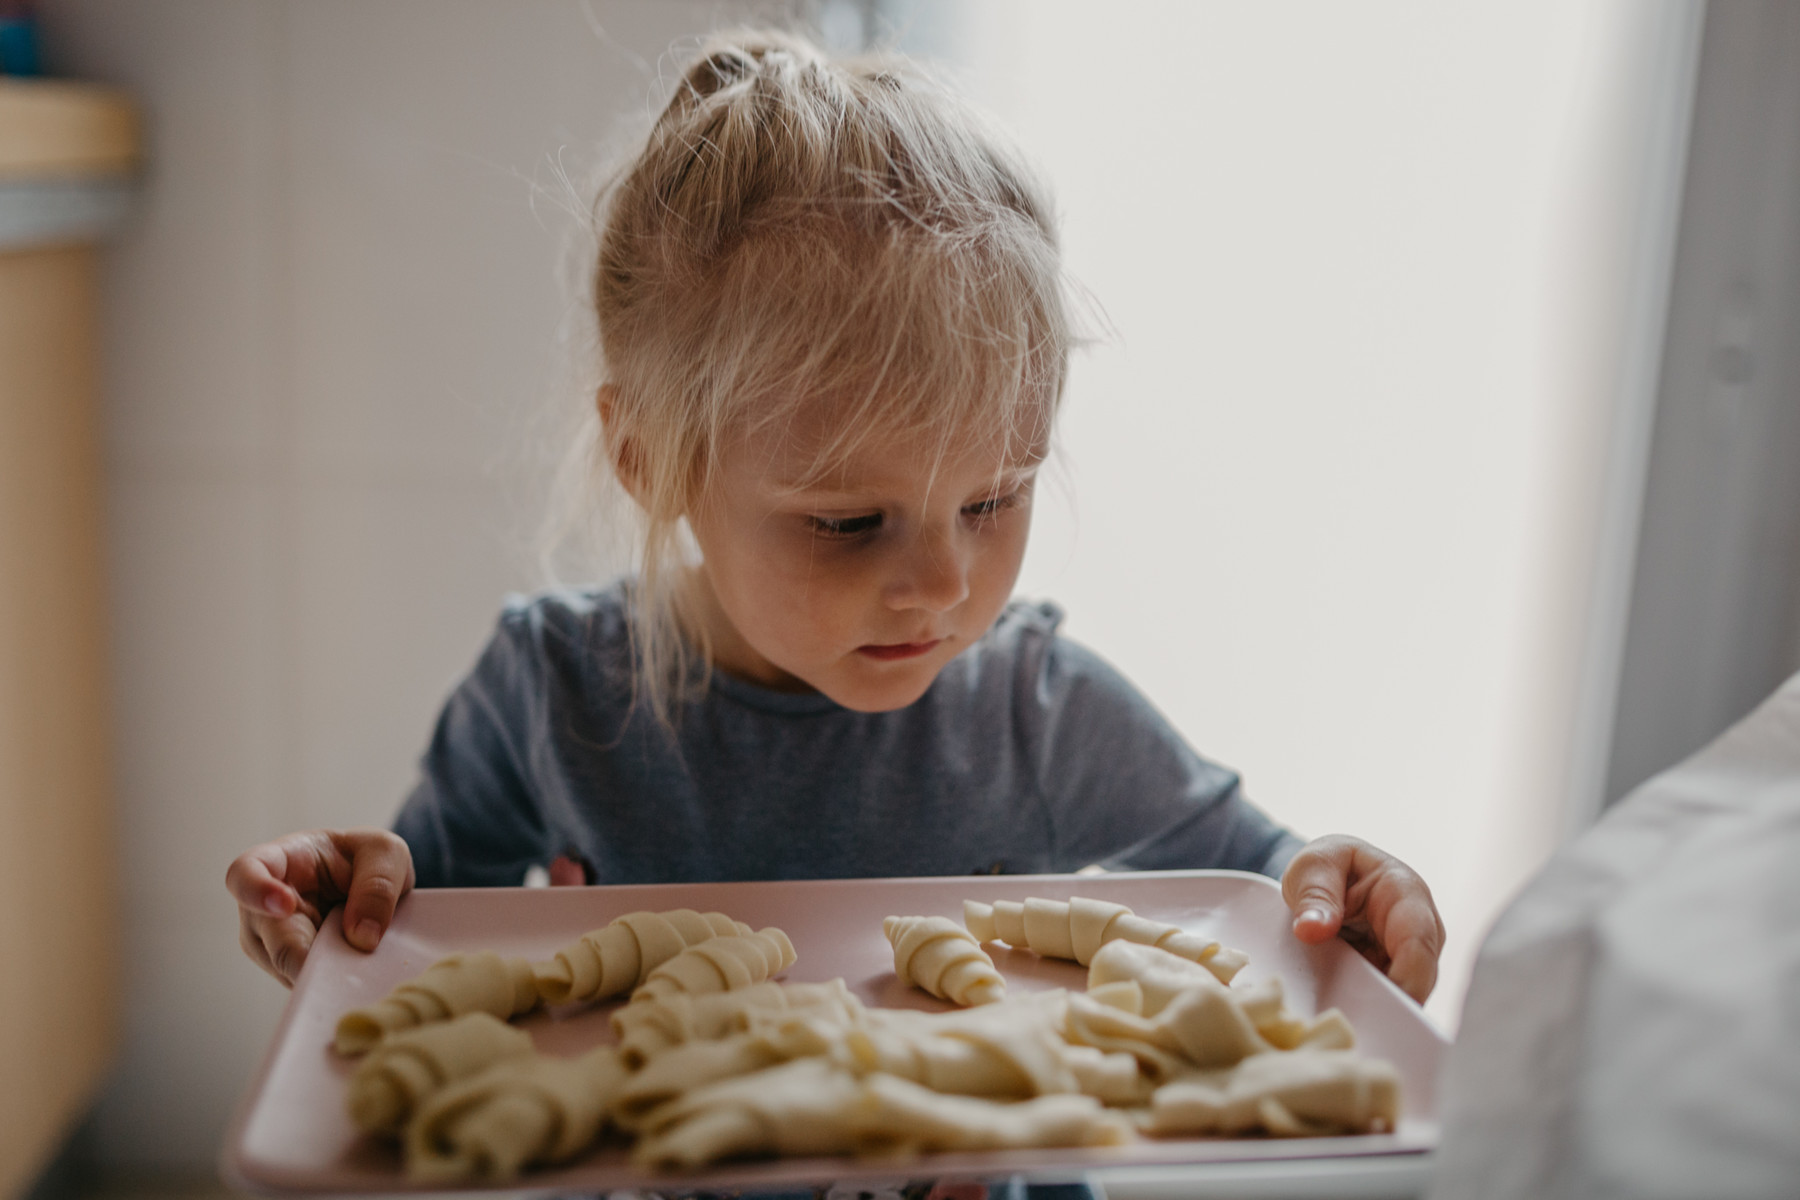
(381,873)
(1313,886)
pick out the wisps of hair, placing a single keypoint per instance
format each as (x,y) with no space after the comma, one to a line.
(798,229)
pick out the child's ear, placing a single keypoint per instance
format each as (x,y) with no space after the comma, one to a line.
(627,460)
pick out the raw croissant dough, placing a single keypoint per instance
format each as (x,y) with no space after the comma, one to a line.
(619,957)
(518,1112)
(937,954)
(715,1061)
(720,964)
(648,1028)
(1076,928)
(473,981)
(1215,1024)
(814,1107)
(1303,1093)
(684,1068)
(407,1067)
(1011,1050)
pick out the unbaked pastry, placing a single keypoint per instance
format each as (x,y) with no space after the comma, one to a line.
(1161,974)
(1014,1049)
(1298,1093)
(1076,928)
(809,1106)
(615,959)
(407,1067)
(1216,1024)
(648,1028)
(1014,1057)
(472,981)
(519,1112)
(721,964)
(1088,1022)
(937,954)
(909,1118)
(813,1107)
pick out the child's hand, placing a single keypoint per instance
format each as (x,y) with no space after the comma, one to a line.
(1340,885)
(285,887)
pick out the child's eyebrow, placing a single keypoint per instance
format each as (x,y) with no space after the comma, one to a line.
(820,492)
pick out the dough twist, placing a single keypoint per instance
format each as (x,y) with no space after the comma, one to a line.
(697,1064)
(722,964)
(1014,1049)
(518,1112)
(1076,928)
(648,1029)
(936,954)
(1300,1093)
(476,981)
(813,1107)
(407,1067)
(615,959)
(1257,1013)
(1187,1019)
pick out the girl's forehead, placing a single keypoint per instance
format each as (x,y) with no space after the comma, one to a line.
(814,452)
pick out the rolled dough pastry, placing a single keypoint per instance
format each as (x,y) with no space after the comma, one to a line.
(1015,1049)
(964,1067)
(407,1067)
(687,1067)
(1076,928)
(721,964)
(1296,1093)
(647,1029)
(617,958)
(519,1112)
(937,954)
(813,1107)
(1160,974)
(908,1118)
(1087,1022)
(809,1106)
(472,981)
(1213,1023)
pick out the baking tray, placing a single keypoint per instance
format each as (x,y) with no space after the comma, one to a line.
(291,1134)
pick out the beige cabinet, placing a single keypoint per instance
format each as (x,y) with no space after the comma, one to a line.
(65,157)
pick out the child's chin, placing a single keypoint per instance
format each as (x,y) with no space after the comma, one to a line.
(875,696)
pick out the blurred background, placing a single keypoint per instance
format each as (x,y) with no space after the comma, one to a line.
(1434,469)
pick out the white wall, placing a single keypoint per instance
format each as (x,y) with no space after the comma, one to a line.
(1338,489)
(1336,483)
(329,330)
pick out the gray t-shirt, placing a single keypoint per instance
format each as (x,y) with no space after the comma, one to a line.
(1027,754)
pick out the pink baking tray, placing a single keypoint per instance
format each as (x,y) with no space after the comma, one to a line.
(291,1134)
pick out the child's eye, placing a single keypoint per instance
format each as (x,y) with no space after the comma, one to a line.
(985,510)
(845,527)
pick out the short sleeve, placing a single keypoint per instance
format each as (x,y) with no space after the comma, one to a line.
(1124,790)
(473,820)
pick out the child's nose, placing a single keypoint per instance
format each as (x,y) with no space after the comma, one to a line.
(934,574)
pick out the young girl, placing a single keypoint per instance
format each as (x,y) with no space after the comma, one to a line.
(834,339)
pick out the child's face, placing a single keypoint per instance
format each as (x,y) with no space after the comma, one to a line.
(863,586)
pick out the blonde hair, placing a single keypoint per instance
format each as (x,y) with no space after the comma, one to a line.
(797,229)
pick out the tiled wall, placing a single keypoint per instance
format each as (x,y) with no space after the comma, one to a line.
(332,331)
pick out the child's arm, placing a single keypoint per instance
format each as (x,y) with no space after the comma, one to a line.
(285,887)
(1341,886)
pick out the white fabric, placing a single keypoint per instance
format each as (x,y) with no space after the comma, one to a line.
(1633,1026)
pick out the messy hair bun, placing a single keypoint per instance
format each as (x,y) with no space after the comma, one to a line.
(798,229)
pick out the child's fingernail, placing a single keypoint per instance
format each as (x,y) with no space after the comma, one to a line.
(1317,916)
(368,933)
(276,904)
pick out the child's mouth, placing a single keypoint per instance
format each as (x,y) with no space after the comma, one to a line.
(898,650)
